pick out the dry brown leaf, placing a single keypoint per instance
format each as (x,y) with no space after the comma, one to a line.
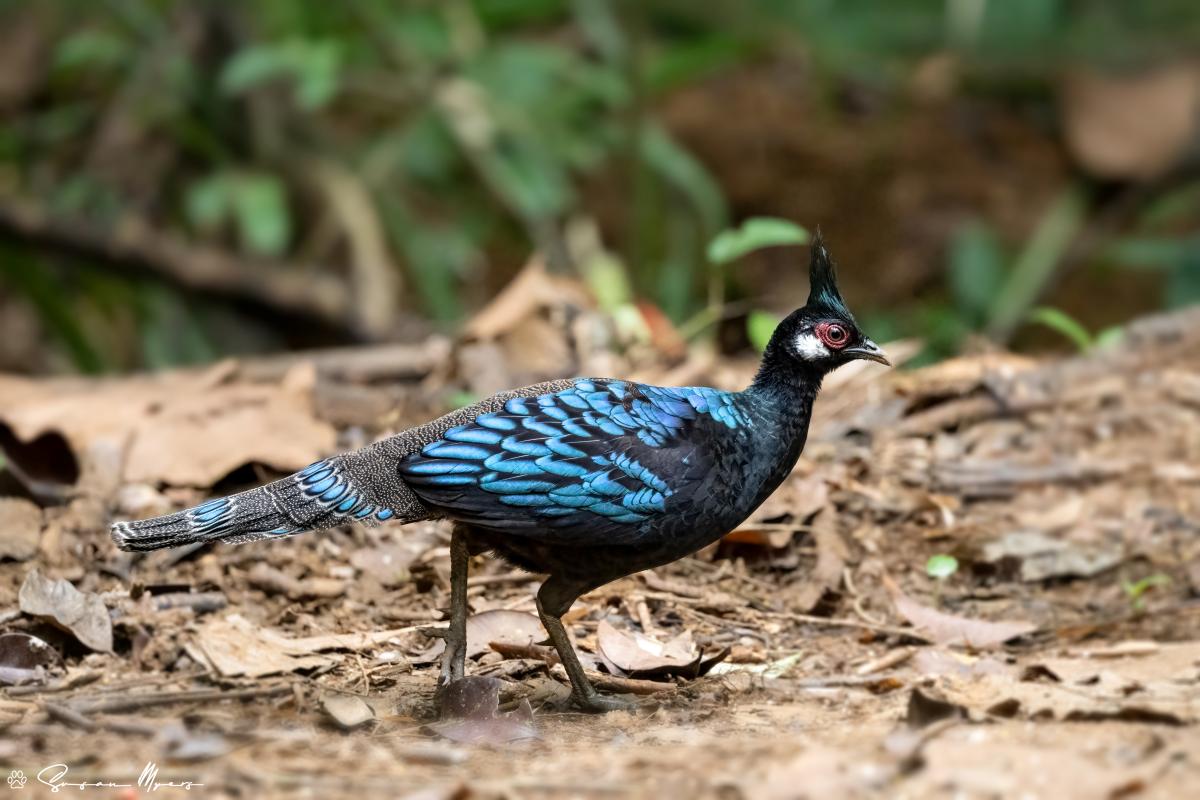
(184,429)
(636,655)
(1057,516)
(956,377)
(20,528)
(271,580)
(502,626)
(82,614)
(1037,556)
(234,646)
(532,290)
(953,630)
(196,440)
(1133,125)
(1168,703)
(1127,665)
(935,661)
(826,576)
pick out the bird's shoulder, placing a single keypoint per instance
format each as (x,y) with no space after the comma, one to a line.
(591,408)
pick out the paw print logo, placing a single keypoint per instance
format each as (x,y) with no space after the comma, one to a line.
(16,779)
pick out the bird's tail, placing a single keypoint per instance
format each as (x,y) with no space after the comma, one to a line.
(322,495)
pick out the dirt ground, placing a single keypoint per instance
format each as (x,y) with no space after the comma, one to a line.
(810,654)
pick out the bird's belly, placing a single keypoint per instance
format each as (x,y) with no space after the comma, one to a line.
(691,521)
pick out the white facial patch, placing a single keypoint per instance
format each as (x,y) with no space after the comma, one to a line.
(810,347)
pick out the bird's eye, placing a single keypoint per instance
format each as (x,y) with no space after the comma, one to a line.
(834,335)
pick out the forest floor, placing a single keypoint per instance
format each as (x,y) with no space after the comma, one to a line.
(807,655)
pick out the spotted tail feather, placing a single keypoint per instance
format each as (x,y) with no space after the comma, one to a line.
(323,495)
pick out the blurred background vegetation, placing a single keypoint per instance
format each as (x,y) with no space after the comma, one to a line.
(185,179)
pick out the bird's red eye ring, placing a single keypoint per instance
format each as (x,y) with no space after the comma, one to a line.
(833,334)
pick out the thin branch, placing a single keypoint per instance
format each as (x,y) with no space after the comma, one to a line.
(134,246)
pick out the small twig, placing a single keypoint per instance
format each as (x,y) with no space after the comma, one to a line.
(612,683)
(200,602)
(833,622)
(892,658)
(670,587)
(424,615)
(134,702)
(534,651)
(835,681)
(69,716)
(70,682)
(134,246)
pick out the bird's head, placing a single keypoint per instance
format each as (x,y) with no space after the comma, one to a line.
(823,335)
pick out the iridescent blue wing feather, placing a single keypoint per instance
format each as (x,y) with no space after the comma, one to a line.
(595,460)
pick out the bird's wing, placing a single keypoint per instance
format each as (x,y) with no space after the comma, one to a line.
(598,459)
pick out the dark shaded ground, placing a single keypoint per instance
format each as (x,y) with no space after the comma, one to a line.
(1061,660)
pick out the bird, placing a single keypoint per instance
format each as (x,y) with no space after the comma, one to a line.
(584,480)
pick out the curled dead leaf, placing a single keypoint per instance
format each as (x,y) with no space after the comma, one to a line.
(233,646)
(515,628)
(951,629)
(82,614)
(637,655)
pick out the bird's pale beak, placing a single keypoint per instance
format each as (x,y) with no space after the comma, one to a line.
(869,351)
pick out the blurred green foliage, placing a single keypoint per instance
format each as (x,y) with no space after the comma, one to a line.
(475,128)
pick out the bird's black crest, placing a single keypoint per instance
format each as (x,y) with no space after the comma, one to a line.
(822,279)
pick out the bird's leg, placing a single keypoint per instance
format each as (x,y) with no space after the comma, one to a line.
(454,659)
(553,600)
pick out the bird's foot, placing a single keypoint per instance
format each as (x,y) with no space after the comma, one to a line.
(453,662)
(453,657)
(602,703)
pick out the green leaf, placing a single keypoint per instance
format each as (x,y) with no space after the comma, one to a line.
(206,202)
(1109,337)
(1034,266)
(462,398)
(941,566)
(1063,323)
(685,173)
(754,234)
(313,66)
(532,182)
(251,67)
(760,325)
(976,264)
(1135,590)
(93,49)
(260,207)
(1183,285)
